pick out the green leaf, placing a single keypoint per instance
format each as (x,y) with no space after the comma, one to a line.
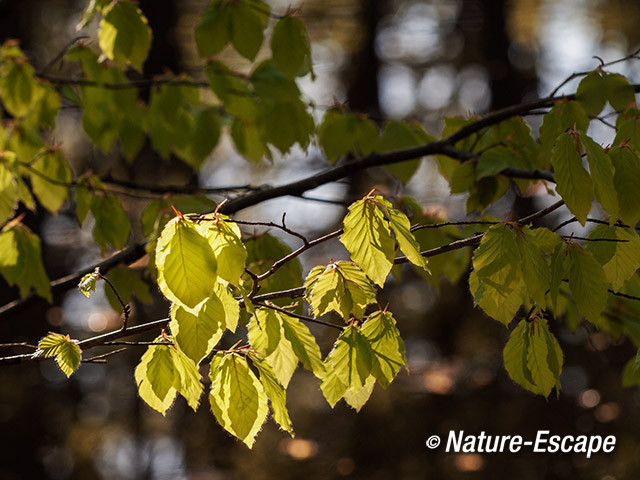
(48,184)
(368,239)
(602,174)
(559,271)
(224,237)
(21,261)
(598,87)
(248,21)
(202,138)
(186,378)
(275,391)
(497,255)
(266,336)
(533,358)
(341,287)
(497,283)
(619,259)
(386,345)
(8,192)
(351,358)
(18,88)
(237,397)
(247,138)
(572,180)
(499,303)
(626,180)
(112,224)
(198,331)
(213,30)
(535,270)
(303,343)
(340,134)
(68,354)
(284,341)
(186,263)
(357,397)
(399,135)
(229,304)
(262,251)
(406,241)
(88,282)
(286,123)
(155,375)
(290,47)
(332,387)
(587,282)
(125,36)
(563,116)
(162,372)
(127,283)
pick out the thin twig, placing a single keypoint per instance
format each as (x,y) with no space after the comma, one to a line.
(126,308)
(299,317)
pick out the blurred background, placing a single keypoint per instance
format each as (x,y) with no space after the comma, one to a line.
(406,59)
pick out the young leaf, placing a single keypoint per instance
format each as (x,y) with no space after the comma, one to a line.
(386,345)
(186,263)
(197,331)
(21,261)
(112,224)
(8,192)
(598,87)
(619,258)
(602,174)
(572,180)
(357,397)
(587,282)
(266,336)
(303,343)
(18,88)
(284,341)
(535,270)
(237,397)
(626,180)
(186,378)
(213,30)
(262,251)
(332,387)
(275,391)
(248,20)
(368,239)
(127,283)
(125,36)
(68,354)
(162,372)
(88,282)
(341,287)
(340,134)
(533,358)
(497,283)
(499,303)
(351,358)
(48,184)
(155,376)
(406,241)
(290,47)
(563,115)
(224,237)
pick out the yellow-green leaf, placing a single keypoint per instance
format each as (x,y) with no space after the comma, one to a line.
(186,263)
